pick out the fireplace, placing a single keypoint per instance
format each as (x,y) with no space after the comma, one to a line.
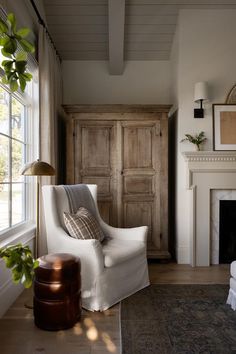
(227,231)
(208,172)
(219,199)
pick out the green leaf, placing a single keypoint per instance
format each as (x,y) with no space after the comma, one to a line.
(5,80)
(10,46)
(5,258)
(22,83)
(14,85)
(11,76)
(12,21)
(7,64)
(4,40)
(27,76)
(3,27)
(16,275)
(21,56)
(23,32)
(10,261)
(5,54)
(27,46)
(20,66)
(27,282)
(36,264)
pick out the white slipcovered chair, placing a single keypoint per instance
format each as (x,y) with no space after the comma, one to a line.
(111,270)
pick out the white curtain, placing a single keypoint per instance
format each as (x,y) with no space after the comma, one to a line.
(50,100)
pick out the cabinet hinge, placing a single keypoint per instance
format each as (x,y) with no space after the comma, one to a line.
(160,133)
(160,236)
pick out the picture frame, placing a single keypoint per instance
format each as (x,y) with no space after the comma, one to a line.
(224,127)
(231,97)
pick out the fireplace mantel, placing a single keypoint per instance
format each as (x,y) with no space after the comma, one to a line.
(209,156)
(206,170)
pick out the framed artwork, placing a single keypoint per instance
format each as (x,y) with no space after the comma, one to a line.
(231,97)
(224,126)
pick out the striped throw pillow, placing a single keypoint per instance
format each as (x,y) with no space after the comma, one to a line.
(83,225)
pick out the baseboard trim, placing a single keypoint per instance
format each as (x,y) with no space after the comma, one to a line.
(8,294)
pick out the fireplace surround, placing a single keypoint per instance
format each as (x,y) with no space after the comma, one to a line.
(206,171)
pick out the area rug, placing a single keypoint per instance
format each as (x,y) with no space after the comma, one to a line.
(181,319)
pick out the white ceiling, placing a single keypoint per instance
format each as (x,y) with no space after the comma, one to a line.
(80,30)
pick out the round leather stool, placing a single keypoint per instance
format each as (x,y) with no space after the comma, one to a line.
(57,292)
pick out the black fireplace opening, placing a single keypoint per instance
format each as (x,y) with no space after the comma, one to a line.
(227,252)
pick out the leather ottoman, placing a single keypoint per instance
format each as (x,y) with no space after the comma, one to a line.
(57,292)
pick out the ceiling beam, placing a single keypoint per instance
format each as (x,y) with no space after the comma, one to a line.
(116,36)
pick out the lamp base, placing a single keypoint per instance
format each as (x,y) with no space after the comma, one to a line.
(198,113)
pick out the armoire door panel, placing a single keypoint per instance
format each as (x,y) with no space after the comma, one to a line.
(95,163)
(106,212)
(140,178)
(137,147)
(138,185)
(139,214)
(96,148)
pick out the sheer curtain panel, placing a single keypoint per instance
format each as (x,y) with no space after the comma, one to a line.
(50,98)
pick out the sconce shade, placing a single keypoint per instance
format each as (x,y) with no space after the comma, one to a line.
(201,91)
(38,168)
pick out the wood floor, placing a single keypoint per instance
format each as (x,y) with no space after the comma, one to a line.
(173,273)
(97,333)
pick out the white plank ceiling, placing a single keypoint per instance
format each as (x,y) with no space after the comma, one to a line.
(80,28)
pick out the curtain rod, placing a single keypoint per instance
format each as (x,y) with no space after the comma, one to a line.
(41,21)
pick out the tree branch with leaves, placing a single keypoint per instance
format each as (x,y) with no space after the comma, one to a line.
(15,66)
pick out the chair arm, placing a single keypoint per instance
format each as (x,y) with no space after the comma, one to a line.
(132,234)
(89,251)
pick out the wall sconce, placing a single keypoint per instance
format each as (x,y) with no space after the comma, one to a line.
(200,94)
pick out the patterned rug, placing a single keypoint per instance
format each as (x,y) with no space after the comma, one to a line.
(183,319)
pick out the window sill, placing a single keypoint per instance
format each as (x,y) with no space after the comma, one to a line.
(22,233)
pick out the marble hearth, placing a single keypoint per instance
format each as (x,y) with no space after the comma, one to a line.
(211,175)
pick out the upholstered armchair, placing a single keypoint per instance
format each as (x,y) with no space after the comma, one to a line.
(112,269)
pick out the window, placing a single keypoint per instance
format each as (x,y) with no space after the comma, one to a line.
(19,129)
(12,158)
(18,145)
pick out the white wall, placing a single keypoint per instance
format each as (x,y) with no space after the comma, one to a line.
(89,82)
(206,52)
(174,64)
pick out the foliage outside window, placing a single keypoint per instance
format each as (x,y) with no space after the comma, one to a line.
(12,158)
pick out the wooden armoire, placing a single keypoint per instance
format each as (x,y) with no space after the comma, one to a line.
(124,150)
